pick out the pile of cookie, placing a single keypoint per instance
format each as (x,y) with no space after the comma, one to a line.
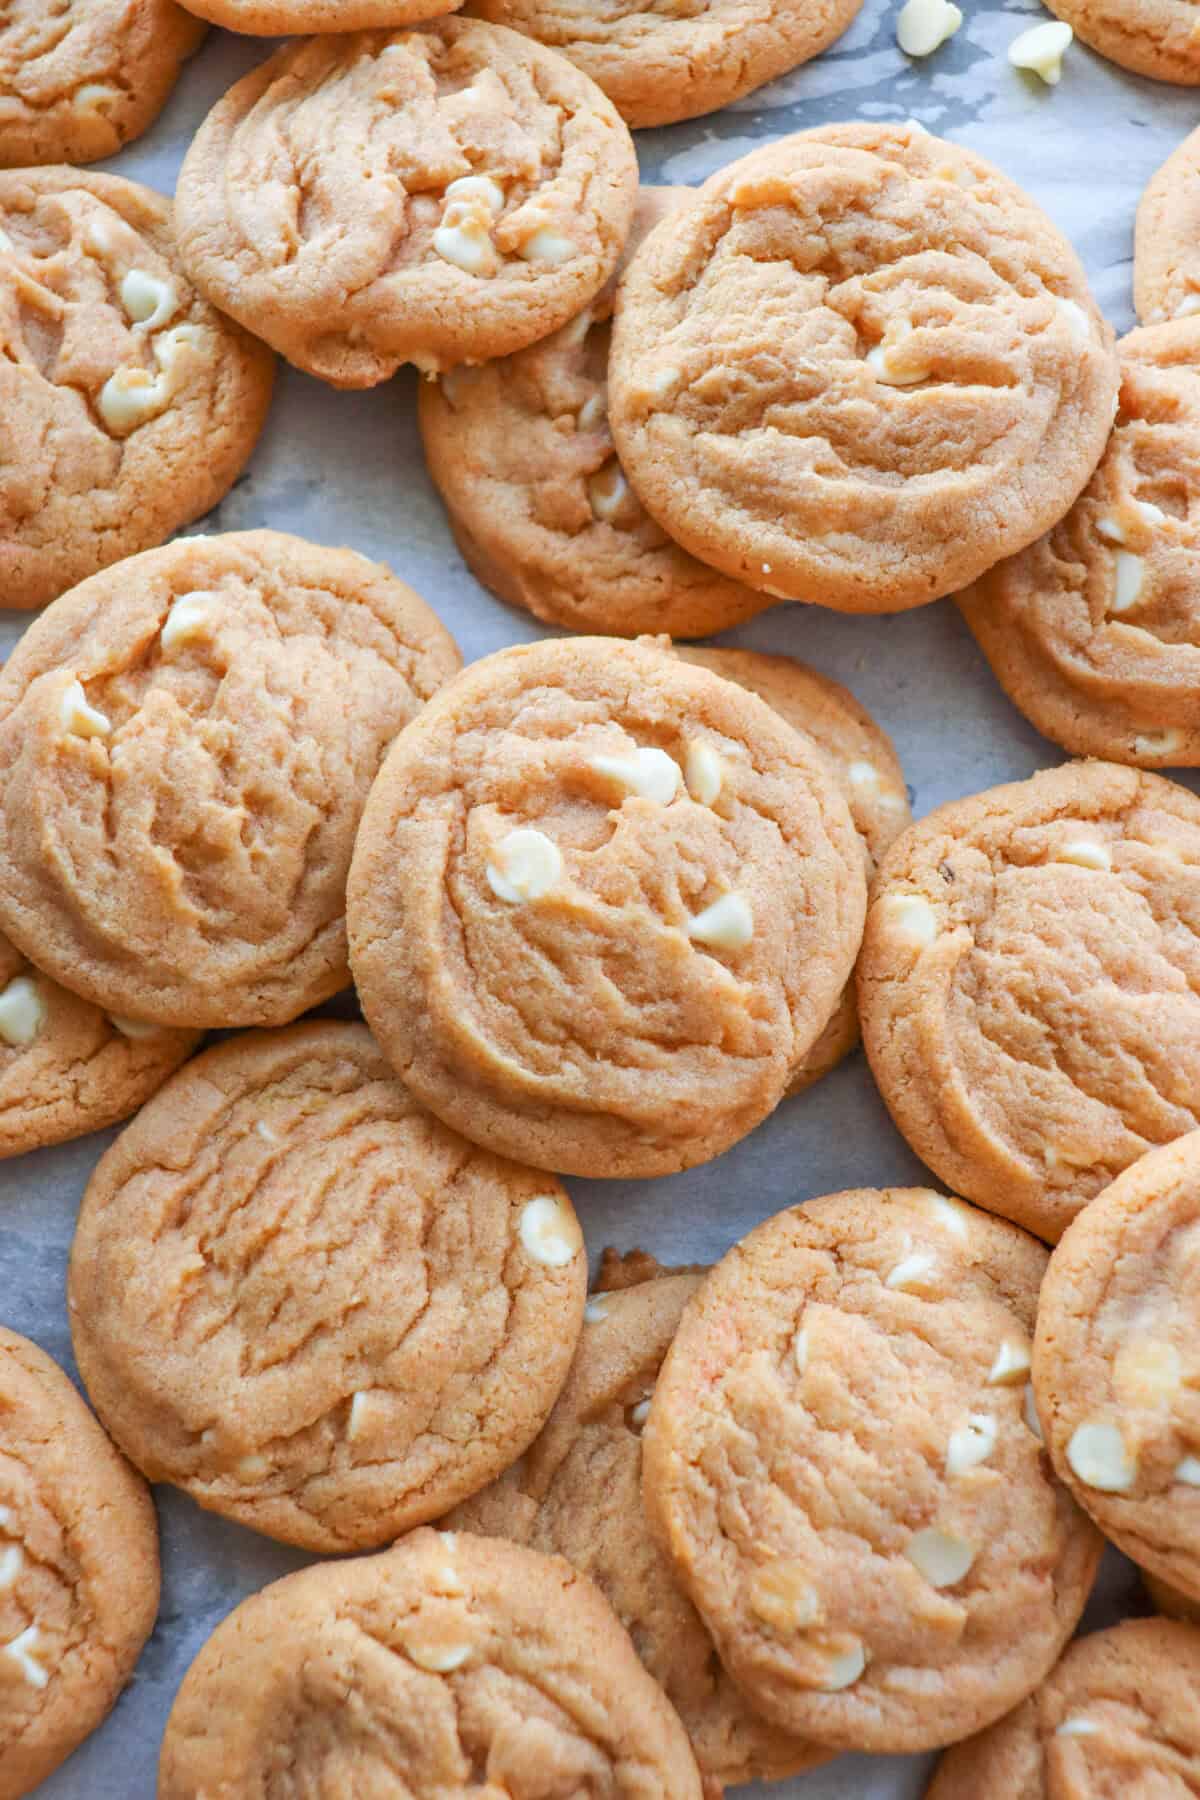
(605,902)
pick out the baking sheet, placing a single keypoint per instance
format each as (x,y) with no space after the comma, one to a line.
(347,468)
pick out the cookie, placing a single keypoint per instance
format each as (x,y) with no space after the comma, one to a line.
(78,1568)
(79,82)
(435,196)
(577,1493)
(65,1067)
(1116,1362)
(659,65)
(1170,1601)
(869,774)
(127,404)
(840,1462)
(278,18)
(1151,37)
(860,368)
(186,742)
(1029,986)
(301,1299)
(521,454)
(1166,260)
(1120,1716)
(601,905)
(1094,631)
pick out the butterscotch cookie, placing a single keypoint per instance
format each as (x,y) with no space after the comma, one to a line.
(1166,254)
(1116,1361)
(277,18)
(1118,1718)
(1029,985)
(449,1665)
(78,1568)
(601,905)
(186,742)
(1170,1602)
(577,1492)
(522,456)
(860,368)
(66,1067)
(1094,631)
(435,196)
(78,82)
(300,1298)
(1152,37)
(840,1460)
(869,774)
(127,404)
(659,64)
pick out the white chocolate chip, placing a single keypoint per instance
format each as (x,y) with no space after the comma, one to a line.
(190,618)
(1041,50)
(887,362)
(480,189)
(252,1467)
(5,1517)
(524,865)
(360,1406)
(663,381)
(22,1012)
(1189,305)
(592,413)
(639,1414)
(148,300)
(912,1270)
(607,490)
(728,924)
(972,1444)
(12,1561)
(911,919)
(80,719)
(863,775)
(1077,1727)
(942,1558)
(925,24)
(93,96)
(800,1350)
(548,246)
(703,771)
(1029,1408)
(952,1214)
(1110,528)
(169,344)
(1078,323)
(647,772)
(439,1659)
(550,1232)
(1187,1470)
(22,1650)
(782,1595)
(1011,1365)
(263,1130)
(595,1310)
(464,238)
(845,1667)
(1130,573)
(130,397)
(1156,743)
(6,242)
(1099,1458)
(1086,853)
(133,1028)
(1153,515)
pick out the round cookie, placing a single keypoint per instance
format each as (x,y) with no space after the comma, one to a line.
(127,404)
(577,1492)
(1170,1602)
(78,1568)
(65,1067)
(1151,37)
(1094,631)
(840,1461)
(186,743)
(300,1298)
(860,368)
(280,18)
(521,454)
(1166,250)
(1119,1717)
(869,774)
(435,196)
(1116,1362)
(660,63)
(1029,986)
(448,1666)
(79,82)
(601,905)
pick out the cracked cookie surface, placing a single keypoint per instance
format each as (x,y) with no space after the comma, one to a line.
(300,1298)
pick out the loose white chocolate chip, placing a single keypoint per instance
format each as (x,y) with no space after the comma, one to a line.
(703,771)
(912,1270)
(524,865)
(1041,50)
(912,919)
(925,24)
(1077,1727)
(595,1310)
(800,1350)
(480,189)
(22,1012)
(1011,1365)
(1029,1407)
(782,1596)
(93,96)
(1129,573)
(549,1232)
(133,1028)
(548,246)
(1187,1470)
(1098,1456)
(439,1659)
(952,1214)
(972,1444)
(148,300)
(1086,853)
(647,772)
(844,1669)
(728,924)
(78,717)
(639,1414)
(1077,320)
(607,489)
(190,618)
(1110,528)
(12,1561)
(942,1558)
(591,414)
(22,1650)
(1157,743)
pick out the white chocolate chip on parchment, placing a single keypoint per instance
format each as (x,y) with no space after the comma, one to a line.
(1011,1365)
(549,1232)
(1099,1458)
(80,719)
(728,924)
(607,490)
(783,1597)
(646,772)
(941,1558)
(524,865)
(971,1444)
(23,1651)
(22,1012)
(1041,50)
(189,619)
(912,1270)
(923,25)
(911,918)
(703,772)
(1086,853)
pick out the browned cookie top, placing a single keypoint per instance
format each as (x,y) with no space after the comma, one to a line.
(276,18)
(1166,255)
(1152,37)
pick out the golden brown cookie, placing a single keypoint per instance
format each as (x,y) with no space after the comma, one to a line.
(1170,1602)
(1166,253)
(860,368)
(78,1568)
(662,62)
(1119,1719)
(67,1068)
(277,18)
(601,905)
(577,1492)
(869,774)
(839,1460)
(1116,1363)
(1094,631)
(1029,985)
(521,454)
(434,196)
(1152,37)
(127,404)
(300,1298)
(78,80)
(186,742)
(451,1665)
